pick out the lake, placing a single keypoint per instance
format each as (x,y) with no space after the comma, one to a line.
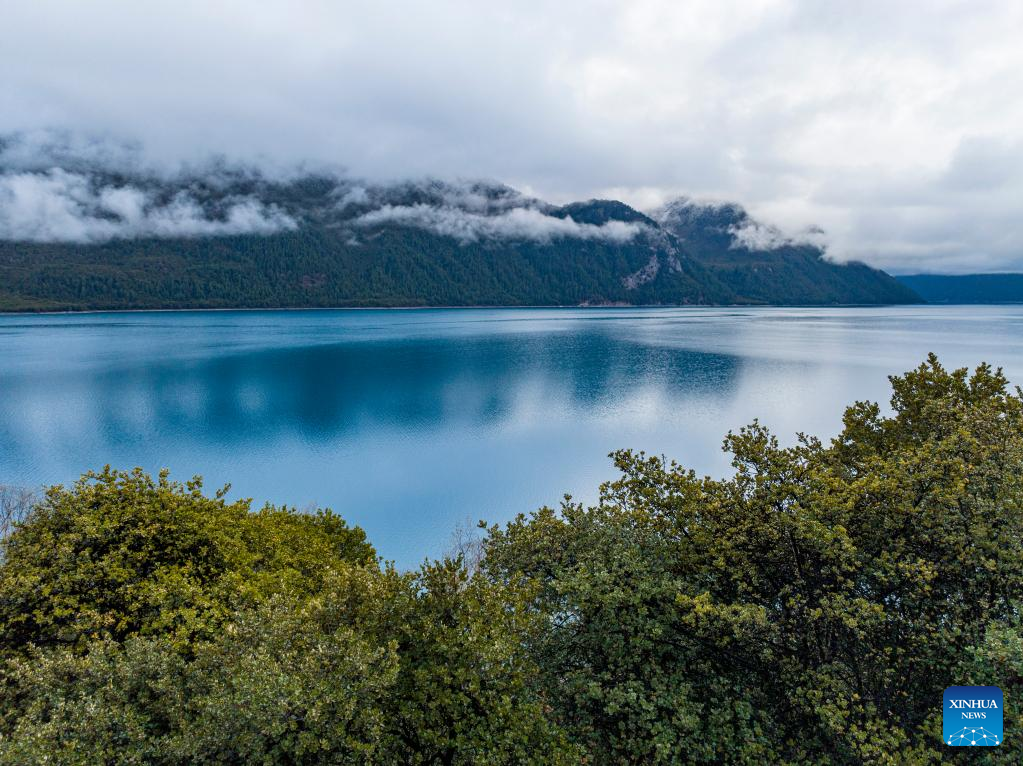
(412,422)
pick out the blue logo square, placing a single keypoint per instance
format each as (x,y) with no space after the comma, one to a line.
(972,716)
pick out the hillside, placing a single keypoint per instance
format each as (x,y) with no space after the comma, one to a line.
(75,239)
(760,265)
(966,288)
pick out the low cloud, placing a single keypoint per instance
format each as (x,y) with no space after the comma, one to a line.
(61,206)
(731,218)
(515,223)
(755,235)
(39,150)
(356,195)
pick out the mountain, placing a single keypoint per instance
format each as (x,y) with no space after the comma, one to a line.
(966,288)
(72,238)
(760,265)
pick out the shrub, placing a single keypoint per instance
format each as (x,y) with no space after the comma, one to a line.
(119,554)
(810,608)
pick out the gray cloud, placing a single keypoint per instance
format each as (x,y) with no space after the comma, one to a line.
(892,125)
(61,206)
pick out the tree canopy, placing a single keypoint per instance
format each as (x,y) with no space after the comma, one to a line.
(810,608)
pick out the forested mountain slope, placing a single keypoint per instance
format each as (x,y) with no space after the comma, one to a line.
(92,240)
(966,288)
(760,265)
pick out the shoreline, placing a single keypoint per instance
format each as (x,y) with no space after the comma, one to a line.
(62,312)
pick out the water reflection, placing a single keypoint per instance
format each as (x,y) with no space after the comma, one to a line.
(326,392)
(409,422)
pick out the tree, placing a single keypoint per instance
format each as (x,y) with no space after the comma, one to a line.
(810,608)
(272,688)
(119,554)
(15,503)
(146,623)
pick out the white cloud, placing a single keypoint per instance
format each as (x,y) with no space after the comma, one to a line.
(516,223)
(754,235)
(356,195)
(59,206)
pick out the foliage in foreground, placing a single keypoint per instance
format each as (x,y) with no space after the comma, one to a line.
(809,609)
(143,622)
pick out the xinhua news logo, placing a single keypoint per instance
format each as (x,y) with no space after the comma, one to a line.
(973,716)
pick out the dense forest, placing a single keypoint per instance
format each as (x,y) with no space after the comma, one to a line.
(808,609)
(240,240)
(769,268)
(966,288)
(400,266)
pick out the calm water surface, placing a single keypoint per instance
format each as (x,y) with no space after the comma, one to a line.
(412,422)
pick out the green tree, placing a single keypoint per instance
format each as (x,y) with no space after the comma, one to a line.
(464,692)
(147,623)
(809,609)
(271,689)
(119,554)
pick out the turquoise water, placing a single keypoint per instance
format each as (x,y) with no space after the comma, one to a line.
(411,423)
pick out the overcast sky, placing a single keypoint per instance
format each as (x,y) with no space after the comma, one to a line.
(897,126)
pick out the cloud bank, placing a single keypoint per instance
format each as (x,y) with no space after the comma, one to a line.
(61,206)
(894,126)
(516,223)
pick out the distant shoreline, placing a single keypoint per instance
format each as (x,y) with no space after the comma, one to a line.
(51,312)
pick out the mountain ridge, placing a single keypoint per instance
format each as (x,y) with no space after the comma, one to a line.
(111,240)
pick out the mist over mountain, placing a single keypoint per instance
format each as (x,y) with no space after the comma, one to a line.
(760,264)
(107,232)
